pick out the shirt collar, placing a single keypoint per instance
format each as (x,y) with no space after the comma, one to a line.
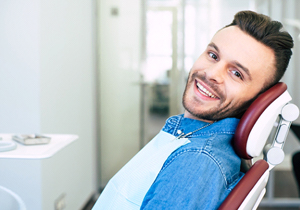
(176,125)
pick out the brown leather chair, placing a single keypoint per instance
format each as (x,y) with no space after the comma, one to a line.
(268,118)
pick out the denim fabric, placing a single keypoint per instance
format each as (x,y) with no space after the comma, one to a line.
(198,175)
(196,172)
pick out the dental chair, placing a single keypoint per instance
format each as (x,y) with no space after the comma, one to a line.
(262,129)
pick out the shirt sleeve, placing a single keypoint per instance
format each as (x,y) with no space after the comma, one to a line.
(188,180)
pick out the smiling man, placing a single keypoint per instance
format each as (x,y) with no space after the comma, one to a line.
(233,64)
(191,164)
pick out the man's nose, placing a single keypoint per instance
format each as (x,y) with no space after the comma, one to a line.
(216,73)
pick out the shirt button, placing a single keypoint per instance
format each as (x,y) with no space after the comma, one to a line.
(179,131)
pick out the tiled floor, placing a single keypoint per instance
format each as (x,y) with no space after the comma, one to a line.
(89,205)
(285,187)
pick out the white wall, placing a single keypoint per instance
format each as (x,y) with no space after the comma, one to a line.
(119,61)
(67,78)
(47,76)
(19,66)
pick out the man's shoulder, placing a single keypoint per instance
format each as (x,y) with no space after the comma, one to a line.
(214,149)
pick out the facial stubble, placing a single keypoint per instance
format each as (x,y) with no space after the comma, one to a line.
(220,111)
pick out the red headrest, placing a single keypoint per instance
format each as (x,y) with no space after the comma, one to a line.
(251,116)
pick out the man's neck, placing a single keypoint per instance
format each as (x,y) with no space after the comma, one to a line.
(189,115)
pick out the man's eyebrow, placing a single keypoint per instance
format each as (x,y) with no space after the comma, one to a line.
(213,45)
(245,69)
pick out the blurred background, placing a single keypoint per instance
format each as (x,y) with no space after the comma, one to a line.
(113,71)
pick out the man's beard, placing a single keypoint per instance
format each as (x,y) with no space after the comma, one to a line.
(221,110)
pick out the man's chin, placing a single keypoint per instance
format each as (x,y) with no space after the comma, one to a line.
(206,117)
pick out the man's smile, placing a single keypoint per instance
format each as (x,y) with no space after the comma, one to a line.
(204,91)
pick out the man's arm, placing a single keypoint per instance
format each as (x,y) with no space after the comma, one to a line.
(190,180)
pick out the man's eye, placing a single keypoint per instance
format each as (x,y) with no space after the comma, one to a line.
(213,56)
(237,74)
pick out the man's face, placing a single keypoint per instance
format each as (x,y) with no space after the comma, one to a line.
(227,76)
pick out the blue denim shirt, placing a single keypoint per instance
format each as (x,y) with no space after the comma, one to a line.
(198,175)
(196,172)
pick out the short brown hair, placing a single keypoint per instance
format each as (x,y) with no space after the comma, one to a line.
(270,33)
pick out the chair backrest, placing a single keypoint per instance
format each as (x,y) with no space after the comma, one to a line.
(270,108)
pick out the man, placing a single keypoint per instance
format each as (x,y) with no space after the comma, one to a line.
(191,164)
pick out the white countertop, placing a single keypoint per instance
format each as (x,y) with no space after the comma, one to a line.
(57,142)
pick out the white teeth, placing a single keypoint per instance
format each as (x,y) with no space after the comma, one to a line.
(205,91)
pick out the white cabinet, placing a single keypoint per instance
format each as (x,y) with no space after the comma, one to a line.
(44,176)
